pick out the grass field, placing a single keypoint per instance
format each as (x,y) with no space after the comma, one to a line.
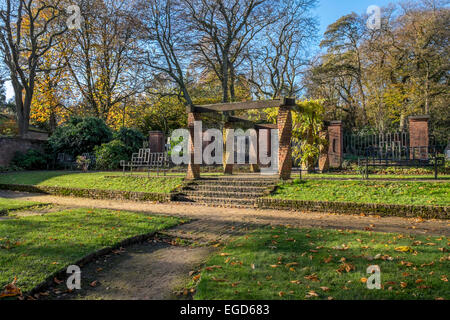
(286,263)
(392,192)
(372,176)
(7,205)
(95,180)
(34,247)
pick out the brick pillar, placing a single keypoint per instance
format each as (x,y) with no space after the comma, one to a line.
(418,136)
(336,146)
(156,141)
(227,168)
(193,171)
(324,161)
(284,122)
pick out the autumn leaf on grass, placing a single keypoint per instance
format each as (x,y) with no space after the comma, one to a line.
(93,283)
(213,267)
(328,260)
(11,290)
(325,289)
(347,267)
(218,280)
(363,280)
(311,294)
(195,278)
(403,284)
(291,264)
(296,281)
(57,281)
(404,249)
(312,277)
(444,278)
(224,254)
(427,264)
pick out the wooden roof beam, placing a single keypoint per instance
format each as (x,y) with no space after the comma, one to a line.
(247,105)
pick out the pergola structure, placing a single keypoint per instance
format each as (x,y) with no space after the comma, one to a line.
(284,124)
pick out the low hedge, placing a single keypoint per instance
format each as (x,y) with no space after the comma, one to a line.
(410,211)
(90,193)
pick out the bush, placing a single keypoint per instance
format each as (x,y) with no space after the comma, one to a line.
(132,138)
(108,155)
(31,160)
(80,135)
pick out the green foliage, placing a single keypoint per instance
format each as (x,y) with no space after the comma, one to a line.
(31,160)
(110,154)
(80,135)
(130,137)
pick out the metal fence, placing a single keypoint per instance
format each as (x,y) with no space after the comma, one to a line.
(357,144)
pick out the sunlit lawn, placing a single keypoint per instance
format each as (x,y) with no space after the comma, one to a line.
(34,247)
(389,192)
(94,180)
(286,263)
(11,204)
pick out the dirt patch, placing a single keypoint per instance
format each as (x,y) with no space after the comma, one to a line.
(153,270)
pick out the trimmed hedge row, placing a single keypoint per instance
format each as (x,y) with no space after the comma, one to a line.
(90,193)
(410,211)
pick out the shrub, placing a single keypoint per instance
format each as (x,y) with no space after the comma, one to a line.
(132,138)
(108,155)
(31,160)
(80,135)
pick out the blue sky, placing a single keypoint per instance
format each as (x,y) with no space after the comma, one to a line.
(328,11)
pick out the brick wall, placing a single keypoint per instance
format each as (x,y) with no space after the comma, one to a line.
(156,141)
(9,146)
(336,144)
(418,136)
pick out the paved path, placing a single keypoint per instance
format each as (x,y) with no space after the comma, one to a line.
(215,223)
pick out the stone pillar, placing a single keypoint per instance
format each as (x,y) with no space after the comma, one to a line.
(418,137)
(156,141)
(227,168)
(284,122)
(193,171)
(336,146)
(324,161)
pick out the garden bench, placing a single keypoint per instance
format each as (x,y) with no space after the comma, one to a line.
(66,160)
(419,157)
(145,159)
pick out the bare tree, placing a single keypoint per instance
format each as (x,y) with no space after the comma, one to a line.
(224,29)
(275,66)
(28,29)
(101,64)
(165,45)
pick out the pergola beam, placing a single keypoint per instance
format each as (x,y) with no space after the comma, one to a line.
(235,106)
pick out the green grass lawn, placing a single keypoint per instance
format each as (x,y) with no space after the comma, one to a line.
(392,192)
(372,176)
(286,263)
(34,247)
(95,180)
(11,204)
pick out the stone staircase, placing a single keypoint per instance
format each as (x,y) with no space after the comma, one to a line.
(227,191)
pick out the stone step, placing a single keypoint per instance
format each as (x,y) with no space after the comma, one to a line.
(222,194)
(230,188)
(241,202)
(226,182)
